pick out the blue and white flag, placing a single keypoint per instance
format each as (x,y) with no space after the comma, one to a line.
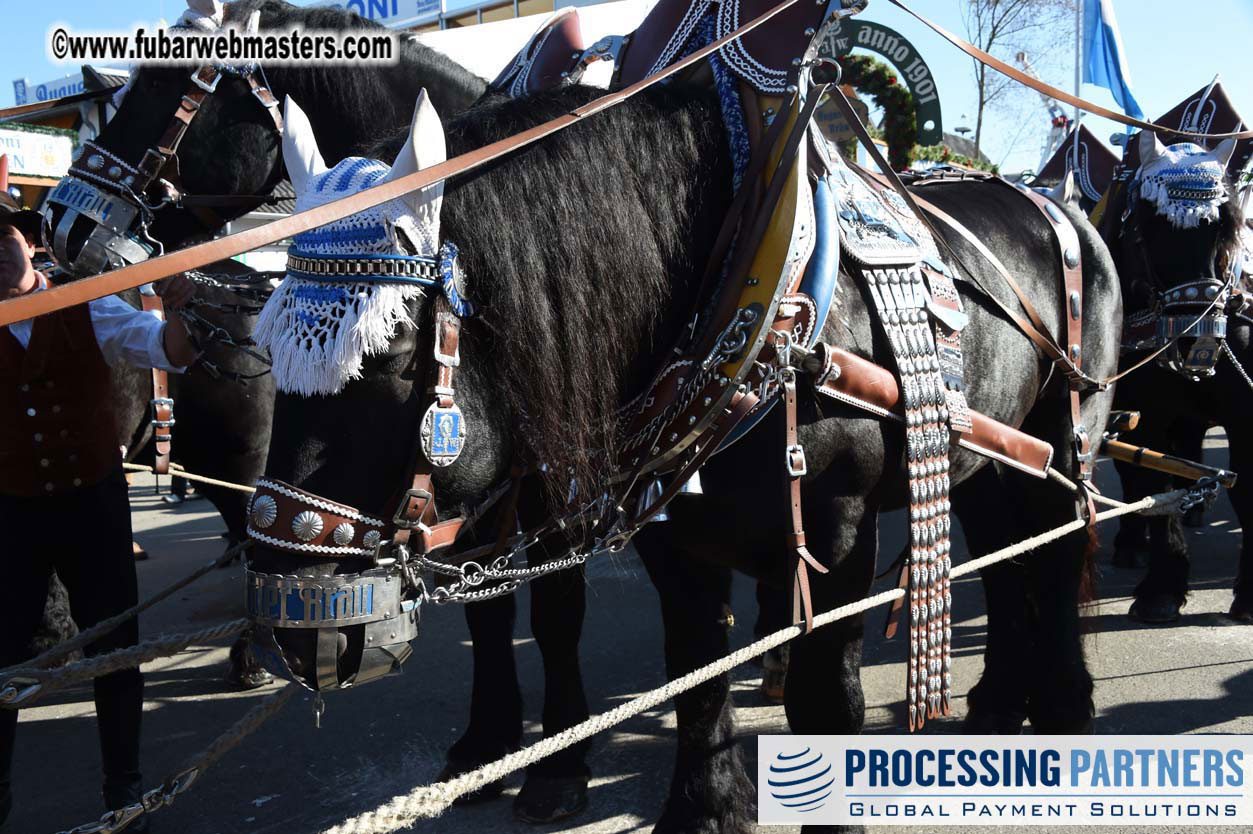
(1103,55)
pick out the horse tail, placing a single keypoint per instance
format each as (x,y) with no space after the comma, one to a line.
(1088,571)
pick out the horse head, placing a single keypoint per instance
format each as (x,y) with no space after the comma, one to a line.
(330,572)
(1179,223)
(1176,248)
(189,149)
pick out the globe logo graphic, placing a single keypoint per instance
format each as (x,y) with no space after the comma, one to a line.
(800,781)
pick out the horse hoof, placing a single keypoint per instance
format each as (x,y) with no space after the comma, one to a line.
(550,798)
(488,792)
(1130,558)
(994,723)
(1194,517)
(1242,609)
(1155,610)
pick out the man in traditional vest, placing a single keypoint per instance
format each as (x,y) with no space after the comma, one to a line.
(63,500)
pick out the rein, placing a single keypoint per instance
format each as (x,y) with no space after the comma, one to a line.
(196,256)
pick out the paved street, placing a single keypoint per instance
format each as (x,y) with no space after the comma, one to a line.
(1193,677)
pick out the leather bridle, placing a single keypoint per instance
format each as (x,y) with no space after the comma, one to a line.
(98,177)
(1172,314)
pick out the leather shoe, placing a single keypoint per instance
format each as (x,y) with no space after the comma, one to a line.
(120,795)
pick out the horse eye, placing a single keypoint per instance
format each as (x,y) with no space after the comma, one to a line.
(406,243)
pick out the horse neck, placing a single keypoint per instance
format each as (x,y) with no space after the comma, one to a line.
(374,99)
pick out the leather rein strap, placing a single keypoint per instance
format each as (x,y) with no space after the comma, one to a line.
(162,404)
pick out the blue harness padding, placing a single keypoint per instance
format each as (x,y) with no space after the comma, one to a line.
(819,283)
(822,275)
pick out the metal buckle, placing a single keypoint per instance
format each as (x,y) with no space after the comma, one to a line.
(399,520)
(795,458)
(208,86)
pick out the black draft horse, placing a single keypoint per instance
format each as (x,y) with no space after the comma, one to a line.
(1155,256)
(231,148)
(573,305)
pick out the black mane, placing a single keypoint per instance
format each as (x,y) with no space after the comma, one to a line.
(357,89)
(571,299)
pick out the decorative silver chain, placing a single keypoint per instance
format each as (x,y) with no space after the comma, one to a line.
(1239,368)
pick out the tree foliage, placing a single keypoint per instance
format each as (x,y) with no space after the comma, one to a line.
(1005,27)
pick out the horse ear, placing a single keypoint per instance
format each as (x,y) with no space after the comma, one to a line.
(1065,190)
(1150,147)
(208,8)
(300,148)
(424,147)
(1224,151)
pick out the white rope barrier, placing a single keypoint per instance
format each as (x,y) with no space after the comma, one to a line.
(429,801)
(180,472)
(28,685)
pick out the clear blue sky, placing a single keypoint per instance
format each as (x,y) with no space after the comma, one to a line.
(1172,49)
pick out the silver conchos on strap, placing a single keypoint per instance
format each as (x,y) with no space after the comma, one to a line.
(900,300)
(443,432)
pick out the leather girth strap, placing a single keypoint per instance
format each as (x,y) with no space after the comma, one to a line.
(802,605)
(162,404)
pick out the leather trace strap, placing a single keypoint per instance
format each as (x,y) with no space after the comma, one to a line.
(162,403)
(794,460)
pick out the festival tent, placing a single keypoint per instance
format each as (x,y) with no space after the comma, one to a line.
(1208,110)
(1096,164)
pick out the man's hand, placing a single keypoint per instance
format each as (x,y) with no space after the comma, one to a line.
(175,291)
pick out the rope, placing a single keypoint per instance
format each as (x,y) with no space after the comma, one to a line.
(1077,490)
(190,773)
(62,650)
(25,688)
(180,472)
(430,801)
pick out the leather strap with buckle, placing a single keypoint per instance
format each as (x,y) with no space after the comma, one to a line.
(162,403)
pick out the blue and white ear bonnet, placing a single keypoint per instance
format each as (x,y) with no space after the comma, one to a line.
(1185,183)
(349,283)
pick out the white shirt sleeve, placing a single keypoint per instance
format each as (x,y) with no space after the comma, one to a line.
(129,335)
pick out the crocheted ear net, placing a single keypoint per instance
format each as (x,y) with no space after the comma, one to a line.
(317,333)
(1186,185)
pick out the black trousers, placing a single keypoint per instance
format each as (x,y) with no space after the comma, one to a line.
(86,537)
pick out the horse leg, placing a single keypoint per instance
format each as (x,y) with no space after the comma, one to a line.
(998,702)
(774,611)
(824,693)
(1131,543)
(556,787)
(495,726)
(1242,501)
(1163,590)
(1059,683)
(710,792)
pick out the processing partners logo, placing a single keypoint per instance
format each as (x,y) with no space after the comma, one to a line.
(994,780)
(801,781)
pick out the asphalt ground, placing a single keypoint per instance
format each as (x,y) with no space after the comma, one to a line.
(1192,677)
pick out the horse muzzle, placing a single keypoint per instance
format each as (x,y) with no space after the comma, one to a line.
(89,230)
(325,628)
(331,632)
